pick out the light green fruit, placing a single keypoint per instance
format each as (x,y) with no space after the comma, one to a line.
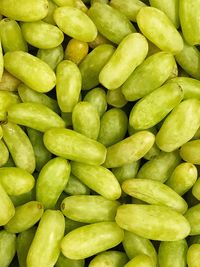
(113,126)
(158,28)
(190,151)
(183,178)
(20,64)
(190,86)
(160,167)
(129,8)
(64,2)
(8,248)
(7,207)
(25,217)
(154,107)
(110,258)
(64,143)
(11,36)
(189,17)
(90,71)
(51,181)
(115,98)
(173,253)
(42,35)
(193,255)
(28,95)
(91,239)
(68,85)
(98,178)
(141,260)
(180,125)
(24,241)
(45,247)
(23,10)
(35,115)
(97,97)
(52,56)
(135,245)
(110,22)
(86,120)
(100,209)
(130,53)
(154,192)
(16,181)
(130,149)
(148,76)
(19,146)
(193,215)
(75,23)
(189,59)
(170,8)
(154,222)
